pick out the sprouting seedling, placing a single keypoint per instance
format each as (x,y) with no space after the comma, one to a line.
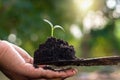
(53,27)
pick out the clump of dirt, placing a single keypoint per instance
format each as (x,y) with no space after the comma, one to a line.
(54,50)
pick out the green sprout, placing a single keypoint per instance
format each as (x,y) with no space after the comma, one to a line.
(53,27)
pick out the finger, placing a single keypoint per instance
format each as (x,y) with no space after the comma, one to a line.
(62,74)
(72,72)
(38,73)
(23,53)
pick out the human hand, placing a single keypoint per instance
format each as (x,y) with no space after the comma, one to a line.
(16,64)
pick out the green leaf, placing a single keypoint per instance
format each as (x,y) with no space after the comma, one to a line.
(58,26)
(48,22)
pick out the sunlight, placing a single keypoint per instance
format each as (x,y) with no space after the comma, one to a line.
(75,30)
(94,20)
(111,3)
(83,4)
(87,23)
(118,8)
(116,12)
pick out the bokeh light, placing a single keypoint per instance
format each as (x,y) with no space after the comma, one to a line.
(75,30)
(94,20)
(118,8)
(12,38)
(83,4)
(111,3)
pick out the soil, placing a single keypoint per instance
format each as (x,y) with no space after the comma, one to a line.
(59,53)
(54,50)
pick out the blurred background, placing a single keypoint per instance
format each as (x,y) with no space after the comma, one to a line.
(91,26)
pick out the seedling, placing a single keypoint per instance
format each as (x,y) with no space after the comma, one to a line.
(53,27)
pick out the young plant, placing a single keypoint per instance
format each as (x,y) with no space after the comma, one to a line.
(53,27)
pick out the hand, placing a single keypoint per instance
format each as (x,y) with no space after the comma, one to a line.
(16,64)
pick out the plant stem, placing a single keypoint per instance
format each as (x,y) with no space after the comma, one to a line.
(52,29)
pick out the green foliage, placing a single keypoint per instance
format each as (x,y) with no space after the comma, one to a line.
(24,19)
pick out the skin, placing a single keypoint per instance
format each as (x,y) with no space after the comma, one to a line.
(17,64)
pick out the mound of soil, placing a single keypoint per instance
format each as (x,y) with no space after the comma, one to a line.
(54,50)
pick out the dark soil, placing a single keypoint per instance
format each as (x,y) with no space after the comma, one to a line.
(54,50)
(57,52)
